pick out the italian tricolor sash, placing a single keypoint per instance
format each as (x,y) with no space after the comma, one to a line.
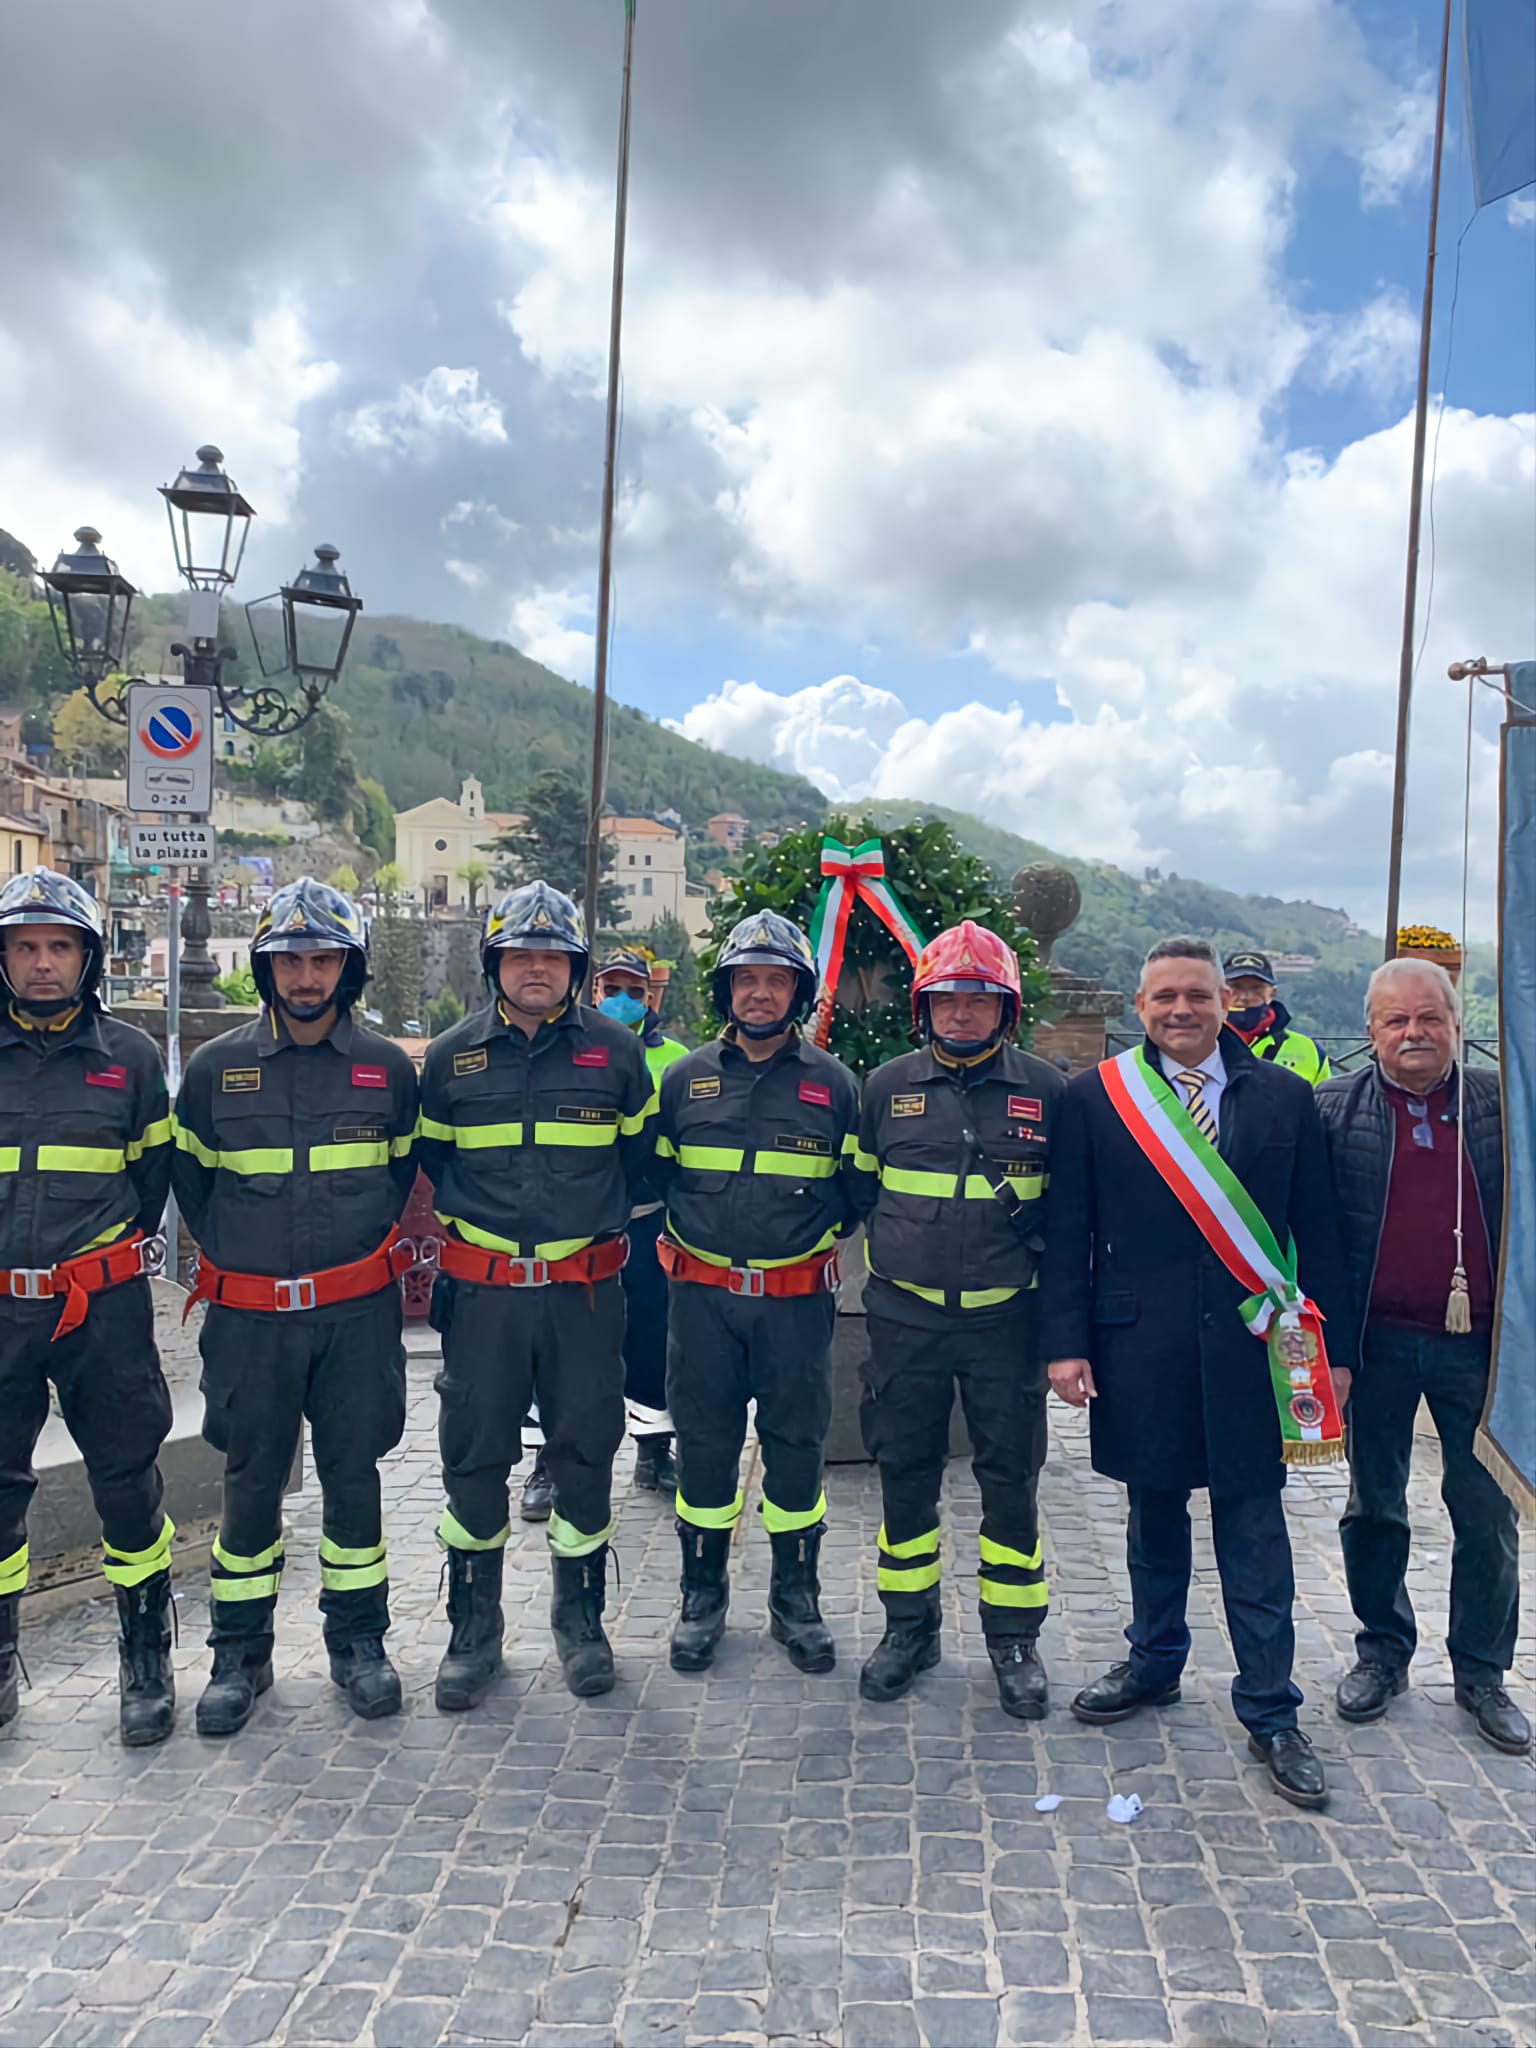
(1221,1209)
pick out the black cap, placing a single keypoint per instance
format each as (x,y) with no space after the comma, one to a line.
(1236,965)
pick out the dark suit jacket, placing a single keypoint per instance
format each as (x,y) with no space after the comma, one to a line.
(1184,1394)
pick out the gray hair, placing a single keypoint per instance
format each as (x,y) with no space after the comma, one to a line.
(1181,947)
(1394,970)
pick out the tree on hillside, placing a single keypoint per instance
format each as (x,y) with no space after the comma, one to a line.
(551,845)
(16,558)
(684,1014)
(344,878)
(327,777)
(373,817)
(83,738)
(474,875)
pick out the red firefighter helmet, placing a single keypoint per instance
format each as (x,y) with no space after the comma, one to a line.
(967,957)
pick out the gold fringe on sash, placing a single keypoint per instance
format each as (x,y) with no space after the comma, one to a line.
(1312,1454)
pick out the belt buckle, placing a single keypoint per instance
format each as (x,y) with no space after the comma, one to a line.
(750,1281)
(152,1257)
(528,1273)
(28,1282)
(300,1294)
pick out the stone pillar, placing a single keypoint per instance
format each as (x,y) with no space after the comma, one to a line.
(1075,1025)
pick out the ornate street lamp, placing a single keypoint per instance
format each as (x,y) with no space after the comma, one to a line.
(210,519)
(302,630)
(89,601)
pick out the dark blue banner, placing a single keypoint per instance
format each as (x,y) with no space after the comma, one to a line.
(1500,44)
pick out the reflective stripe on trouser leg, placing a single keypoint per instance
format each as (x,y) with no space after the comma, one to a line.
(566,1540)
(13,1572)
(1012,1588)
(344,1570)
(781,1521)
(246,1578)
(452,1535)
(711,1518)
(910,1567)
(133,1567)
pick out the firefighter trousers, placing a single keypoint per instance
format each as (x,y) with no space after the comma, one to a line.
(908,1393)
(645,1329)
(115,1405)
(723,1351)
(342,1369)
(504,1347)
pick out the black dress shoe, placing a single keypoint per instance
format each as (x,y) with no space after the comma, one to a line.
(1117,1695)
(538,1493)
(1364,1693)
(1498,1719)
(1293,1765)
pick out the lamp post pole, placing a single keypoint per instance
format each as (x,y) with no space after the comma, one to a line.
(200,663)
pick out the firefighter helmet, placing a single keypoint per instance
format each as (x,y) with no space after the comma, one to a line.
(967,957)
(307,916)
(765,939)
(534,918)
(46,897)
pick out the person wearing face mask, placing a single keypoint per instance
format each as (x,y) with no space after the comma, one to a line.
(85,1133)
(954,1145)
(1263,1022)
(536,1120)
(624,992)
(293,1163)
(754,1158)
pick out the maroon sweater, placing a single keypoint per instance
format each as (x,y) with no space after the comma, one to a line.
(1418,1243)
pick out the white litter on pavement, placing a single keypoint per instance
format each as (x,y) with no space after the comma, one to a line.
(1122,1809)
(1048,1802)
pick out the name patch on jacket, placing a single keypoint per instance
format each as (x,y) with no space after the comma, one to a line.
(908,1105)
(803,1141)
(816,1091)
(583,1113)
(594,1056)
(241,1080)
(369,1077)
(358,1134)
(1026,1106)
(710,1085)
(108,1077)
(474,1062)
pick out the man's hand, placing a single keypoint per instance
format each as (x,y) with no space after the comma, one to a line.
(1072,1380)
(1341,1377)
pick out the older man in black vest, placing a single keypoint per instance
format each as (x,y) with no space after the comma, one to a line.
(1143,1318)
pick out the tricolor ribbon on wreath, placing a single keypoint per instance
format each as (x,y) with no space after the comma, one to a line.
(852,875)
(1230,1221)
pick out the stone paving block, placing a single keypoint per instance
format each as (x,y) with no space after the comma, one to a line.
(328,2015)
(1210,2023)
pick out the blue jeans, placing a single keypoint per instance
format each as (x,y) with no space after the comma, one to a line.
(1253,1556)
(1451,1373)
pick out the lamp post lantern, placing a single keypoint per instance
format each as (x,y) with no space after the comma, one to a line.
(89,601)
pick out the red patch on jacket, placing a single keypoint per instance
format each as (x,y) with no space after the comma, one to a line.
(594,1056)
(108,1077)
(369,1077)
(816,1091)
(1025,1106)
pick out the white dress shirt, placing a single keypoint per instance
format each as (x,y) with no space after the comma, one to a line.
(1214,1071)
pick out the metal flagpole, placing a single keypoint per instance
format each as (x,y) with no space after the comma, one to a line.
(1415,507)
(605,543)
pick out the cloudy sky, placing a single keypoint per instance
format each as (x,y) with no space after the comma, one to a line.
(1017,397)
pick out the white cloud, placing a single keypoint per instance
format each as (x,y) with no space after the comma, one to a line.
(1520,210)
(1376,346)
(541,625)
(444,405)
(479,513)
(473,575)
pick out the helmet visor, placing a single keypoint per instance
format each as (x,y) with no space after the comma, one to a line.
(303,942)
(965,985)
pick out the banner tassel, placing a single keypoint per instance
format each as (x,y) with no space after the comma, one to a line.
(1458,1310)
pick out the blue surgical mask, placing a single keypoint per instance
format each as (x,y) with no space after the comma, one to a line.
(624,1009)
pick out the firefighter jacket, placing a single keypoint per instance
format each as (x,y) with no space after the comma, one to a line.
(85,1137)
(536,1147)
(754,1158)
(933,1142)
(294,1158)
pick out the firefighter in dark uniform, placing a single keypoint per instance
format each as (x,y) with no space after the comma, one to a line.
(294,1141)
(954,1144)
(85,1130)
(536,1117)
(624,991)
(754,1152)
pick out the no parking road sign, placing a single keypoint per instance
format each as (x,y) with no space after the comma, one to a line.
(170,747)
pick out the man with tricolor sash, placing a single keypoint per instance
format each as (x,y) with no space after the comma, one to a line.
(293,1164)
(754,1157)
(954,1147)
(1194,1252)
(85,1141)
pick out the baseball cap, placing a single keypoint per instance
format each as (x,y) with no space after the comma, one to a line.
(1236,965)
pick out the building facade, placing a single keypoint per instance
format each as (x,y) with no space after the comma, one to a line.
(438,839)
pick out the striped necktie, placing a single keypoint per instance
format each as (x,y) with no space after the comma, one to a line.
(1192,1081)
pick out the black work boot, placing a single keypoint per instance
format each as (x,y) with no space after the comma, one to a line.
(538,1492)
(911,1644)
(706,1595)
(576,1621)
(655,1469)
(10,1657)
(241,1641)
(363,1671)
(794,1596)
(1021,1684)
(473,1656)
(146,1683)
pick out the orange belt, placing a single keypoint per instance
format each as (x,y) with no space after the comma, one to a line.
(463,1261)
(87,1274)
(308,1290)
(815,1275)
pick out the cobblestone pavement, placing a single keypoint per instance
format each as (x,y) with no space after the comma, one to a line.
(754,1856)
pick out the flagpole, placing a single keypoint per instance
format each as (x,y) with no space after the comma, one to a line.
(1415,508)
(605,541)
